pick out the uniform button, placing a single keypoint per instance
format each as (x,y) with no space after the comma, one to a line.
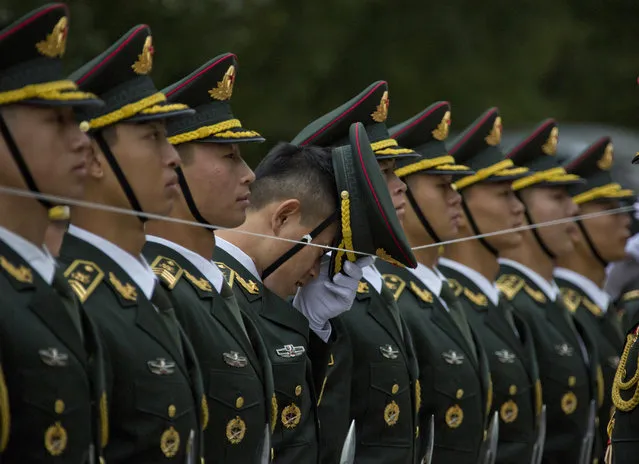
(460,393)
(172,410)
(572,381)
(59,406)
(512,389)
(239,402)
(395,389)
(298,390)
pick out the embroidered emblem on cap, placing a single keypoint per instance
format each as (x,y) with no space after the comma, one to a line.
(452,357)
(564,349)
(234,359)
(391,413)
(454,416)
(224,88)
(56,439)
(495,133)
(605,163)
(568,403)
(235,430)
(291,416)
(145,59)
(441,131)
(550,147)
(54,358)
(290,351)
(505,356)
(56,43)
(161,366)
(381,113)
(170,442)
(509,411)
(388,352)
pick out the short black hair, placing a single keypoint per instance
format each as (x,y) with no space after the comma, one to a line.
(305,173)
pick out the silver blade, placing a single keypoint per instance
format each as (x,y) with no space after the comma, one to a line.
(348,449)
(430,441)
(493,439)
(190,454)
(585,453)
(538,450)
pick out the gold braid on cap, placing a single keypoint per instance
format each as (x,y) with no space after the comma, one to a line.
(53,91)
(347,233)
(220,130)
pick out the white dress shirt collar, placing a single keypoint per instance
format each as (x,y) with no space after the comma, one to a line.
(550,289)
(373,277)
(487,287)
(592,291)
(429,277)
(38,258)
(244,259)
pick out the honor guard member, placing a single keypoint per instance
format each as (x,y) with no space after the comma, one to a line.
(581,274)
(58,224)
(566,353)
(372,377)
(454,375)
(154,386)
(292,198)
(52,391)
(214,181)
(489,205)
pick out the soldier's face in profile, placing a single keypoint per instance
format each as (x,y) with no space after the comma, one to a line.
(609,233)
(495,207)
(396,187)
(52,145)
(304,266)
(219,181)
(440,204)
(548,204)
(148,161)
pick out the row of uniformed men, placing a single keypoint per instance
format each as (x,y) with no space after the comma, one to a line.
(193,358)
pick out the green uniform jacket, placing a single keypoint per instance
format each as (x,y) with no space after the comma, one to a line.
(625,396)
(513,368)
(52,390)
(373,380)
(568,382)
(236,371)
(608,337)
(293,352)
(154,393)
(455,384)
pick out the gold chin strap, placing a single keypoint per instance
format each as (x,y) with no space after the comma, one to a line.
(57,90)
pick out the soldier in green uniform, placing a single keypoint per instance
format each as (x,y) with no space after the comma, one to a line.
(373,376)
(52,406)
(214,181)
(581,274)
(454,374)
(154,386)
(490,205)
(568,361)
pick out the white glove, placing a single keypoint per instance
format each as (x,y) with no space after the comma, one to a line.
(323,299)
(632,247)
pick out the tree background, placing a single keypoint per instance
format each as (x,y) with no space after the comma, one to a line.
(574,60)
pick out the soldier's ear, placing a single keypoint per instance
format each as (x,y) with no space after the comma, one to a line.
(96,161)
(285,214)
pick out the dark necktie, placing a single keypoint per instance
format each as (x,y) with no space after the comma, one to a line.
(62,288)
(161,301)
(231,302)
(507,311)
(391,304)
(458,315)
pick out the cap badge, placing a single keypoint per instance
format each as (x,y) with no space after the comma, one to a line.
(224,88)
(381,113)
(145,59)
(55,44)
(441,132)
(550,147)
(495,134)
(606,160)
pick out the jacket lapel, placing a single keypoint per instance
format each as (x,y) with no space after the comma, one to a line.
(379,311)
(282,312)
(498,324)
(444,320)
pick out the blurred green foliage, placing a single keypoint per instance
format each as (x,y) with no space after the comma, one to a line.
(574,60)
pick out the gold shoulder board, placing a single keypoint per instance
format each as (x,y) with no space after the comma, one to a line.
(199,282)
(167,270)
(631,295)
(510,285)
(395,284)
(362,287)
(570,298)
(84,277)
(421,293)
